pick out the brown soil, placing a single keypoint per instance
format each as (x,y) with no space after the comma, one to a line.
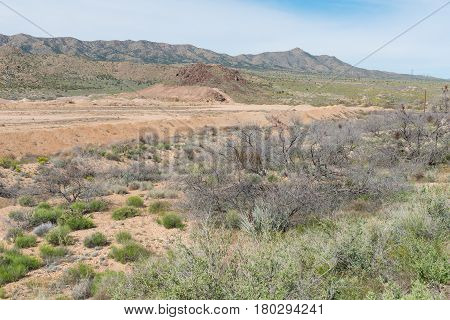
(188,94)
(46,283)
(49,127)
(201,73)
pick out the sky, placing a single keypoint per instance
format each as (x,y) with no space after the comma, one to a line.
(347,29)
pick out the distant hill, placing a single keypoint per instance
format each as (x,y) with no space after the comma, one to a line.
(295,60)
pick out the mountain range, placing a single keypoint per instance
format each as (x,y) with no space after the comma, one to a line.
(295,60)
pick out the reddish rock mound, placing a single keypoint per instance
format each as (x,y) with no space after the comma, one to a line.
(209,75)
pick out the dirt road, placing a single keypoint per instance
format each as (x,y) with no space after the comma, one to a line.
(48,127)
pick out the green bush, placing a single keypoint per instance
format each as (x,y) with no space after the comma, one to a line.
(50,253)
(103,282)
(171,220)
(9,163)
(159,207)
(77,222)
(42,160)
(13,233)
(83,207)
(232,219)
(42,215)
(14,265)
(123,236)
(2,293)
(60,236)
(27,201)
(129,252)
(43,205)
(20,216)
(135,201)
(80,271)
(125,213)
(25,241)
(162,194)
(96,239)
(97,205)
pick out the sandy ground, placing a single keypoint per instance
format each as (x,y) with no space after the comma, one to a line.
(48,127)
(45,283)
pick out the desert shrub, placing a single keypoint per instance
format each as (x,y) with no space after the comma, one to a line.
(25,241)
(120,190)
(13,233)
(425,260)
(50,253)
(139,171)
(135,201)
(43,215)
(76,222)
(129,252)
(9,163)
(26,201)
(71,179)
(134,185)
(125,213)
(43,205)
(103,282)
(83,207)
(162,194)
(82,289)
(123,237)
(97,205)
(42,160)
(233,219)
(264,219)
(22,218)
(158,207)
(145,186)
(60,236)
(171,220)
(14,265)
(43,229)
(79,272)
(96,239)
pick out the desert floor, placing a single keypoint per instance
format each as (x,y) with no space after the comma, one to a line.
(49,127)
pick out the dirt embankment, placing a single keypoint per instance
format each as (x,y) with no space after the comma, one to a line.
(187,94)
(43,128)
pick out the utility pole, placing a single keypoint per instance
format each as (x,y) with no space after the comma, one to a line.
(425,102)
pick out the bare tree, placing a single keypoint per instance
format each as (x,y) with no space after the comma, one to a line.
(70,179)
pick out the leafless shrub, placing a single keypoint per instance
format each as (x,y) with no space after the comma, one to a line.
(70,179)
(82,290)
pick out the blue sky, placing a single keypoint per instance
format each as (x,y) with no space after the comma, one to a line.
(347,29)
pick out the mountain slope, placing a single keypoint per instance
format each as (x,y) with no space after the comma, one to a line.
(295,60)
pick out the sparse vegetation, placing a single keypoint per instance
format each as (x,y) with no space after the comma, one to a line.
(76,222)
(96,239)
(123,237)
(60,236)
(159,207)
(171,220)
(50,253)
(125,213)
(130,251)
(25,241)
(43,214)
(77,273)
(15,265)
(135,201)
(26,201)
